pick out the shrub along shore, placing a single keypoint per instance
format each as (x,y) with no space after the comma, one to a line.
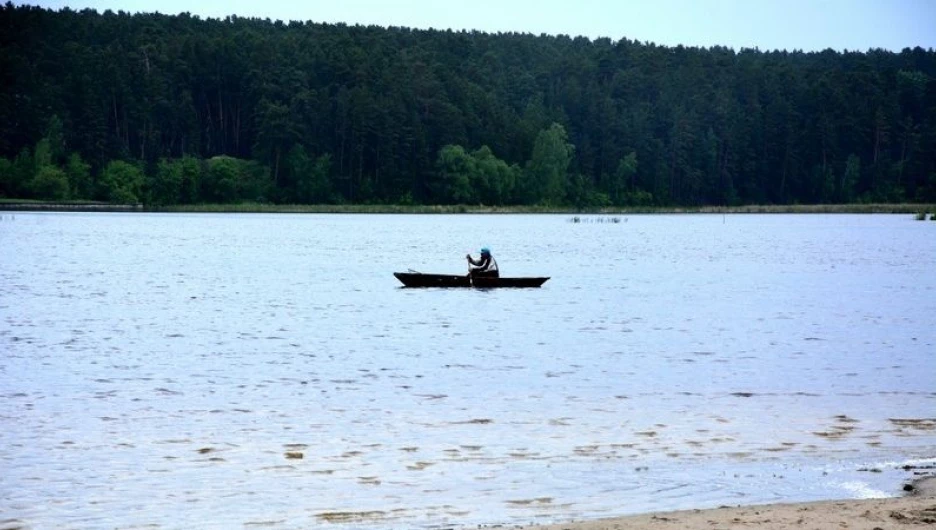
(72,206)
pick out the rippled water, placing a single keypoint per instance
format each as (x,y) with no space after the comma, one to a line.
(169,371)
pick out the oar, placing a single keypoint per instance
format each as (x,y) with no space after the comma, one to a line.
(470,279)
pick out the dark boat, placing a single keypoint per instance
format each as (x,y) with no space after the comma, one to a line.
(418,279)
(485,282)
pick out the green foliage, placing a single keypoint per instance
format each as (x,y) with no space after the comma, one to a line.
(476,177)
(310,176)
(222,180)
(637,197)
(21,173)
(582,194)
(44,180)
(80,183)
(55,138)
(406,200)
(277,130)
(6,177)
(927,190)
(456,169)
(547,173)
(621,186)
(829,191)
(121,183)
(43,154)
(191,170)
(229,179)
(850,177)
(493,179)
(353,114)
(50,183)
(165,185)
(256,184)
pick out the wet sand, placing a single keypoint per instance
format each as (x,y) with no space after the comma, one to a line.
(916,510)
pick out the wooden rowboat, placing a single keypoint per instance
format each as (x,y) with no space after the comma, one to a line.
(418,279)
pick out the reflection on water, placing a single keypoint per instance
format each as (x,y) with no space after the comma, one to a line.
(170,370)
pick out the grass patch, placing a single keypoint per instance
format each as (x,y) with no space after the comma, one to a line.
(607,215)
(4,201)
(66,206)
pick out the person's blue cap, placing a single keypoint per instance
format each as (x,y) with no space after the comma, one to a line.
(485,250)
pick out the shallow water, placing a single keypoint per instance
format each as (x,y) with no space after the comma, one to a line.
(169,370)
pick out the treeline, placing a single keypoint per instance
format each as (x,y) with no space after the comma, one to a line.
(178,109)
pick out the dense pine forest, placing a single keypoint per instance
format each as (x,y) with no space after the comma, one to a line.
(183,110)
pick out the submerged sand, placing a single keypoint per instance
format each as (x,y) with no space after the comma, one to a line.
(916,510)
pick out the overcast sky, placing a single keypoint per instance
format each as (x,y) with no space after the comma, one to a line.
(788,24)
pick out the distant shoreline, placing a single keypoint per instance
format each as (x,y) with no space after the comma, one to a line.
(40,206)
(902,208)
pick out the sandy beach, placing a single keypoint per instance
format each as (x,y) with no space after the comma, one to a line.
(916,510)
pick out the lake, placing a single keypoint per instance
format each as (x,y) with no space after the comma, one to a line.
(224,370)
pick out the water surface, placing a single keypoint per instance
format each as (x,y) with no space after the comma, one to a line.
(168,370)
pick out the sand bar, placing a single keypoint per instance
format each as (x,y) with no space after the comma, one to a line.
(917,510)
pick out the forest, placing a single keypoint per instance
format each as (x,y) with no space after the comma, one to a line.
(162,110)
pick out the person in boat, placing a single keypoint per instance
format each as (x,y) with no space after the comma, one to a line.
(483,266)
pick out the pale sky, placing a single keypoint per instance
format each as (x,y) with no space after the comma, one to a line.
(807,25)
